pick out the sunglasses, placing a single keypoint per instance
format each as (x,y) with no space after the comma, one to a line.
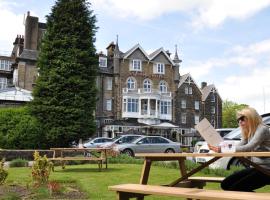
(242,118)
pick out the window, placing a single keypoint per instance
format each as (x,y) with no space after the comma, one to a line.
(190,90)
(108,104)
(3,83)
(183,103)
(186,90)
(132,105)
(159,68)
(196,119)
(102,62)
(147,85)
(197,105)
(183,118)
(5,65)
(131,85)
(109,83)
(165,107)
(213,110)
(213,98)
(163,87)
(213,120)
(136,65)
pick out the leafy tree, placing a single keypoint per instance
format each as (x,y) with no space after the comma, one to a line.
(229,110)
(65,91)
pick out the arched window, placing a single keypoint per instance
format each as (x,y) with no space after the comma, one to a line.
(131,83)
(163,86)
(147,85)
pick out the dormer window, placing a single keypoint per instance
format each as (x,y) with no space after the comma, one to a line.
(102,62)
(136,65)
(159,68)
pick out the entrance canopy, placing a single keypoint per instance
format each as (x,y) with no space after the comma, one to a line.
(164,125)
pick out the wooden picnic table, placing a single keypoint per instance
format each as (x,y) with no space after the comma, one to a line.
(181,157)
(92,154)
(138,191)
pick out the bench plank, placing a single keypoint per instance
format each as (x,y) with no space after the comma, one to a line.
(207,179)
(77,158)
(186,192)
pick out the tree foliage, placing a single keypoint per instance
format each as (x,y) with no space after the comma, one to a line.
(65,91)
(19,130)
(229,110)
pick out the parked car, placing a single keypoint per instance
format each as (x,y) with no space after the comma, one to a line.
(121,140)
(227,162)
(96,142)
(149,144)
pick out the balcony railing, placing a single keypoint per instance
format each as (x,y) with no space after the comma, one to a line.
(144,91)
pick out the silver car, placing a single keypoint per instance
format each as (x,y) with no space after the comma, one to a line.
(149,144)
(120,140)
(96,142)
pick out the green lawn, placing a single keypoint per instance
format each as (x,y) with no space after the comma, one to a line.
(96,183)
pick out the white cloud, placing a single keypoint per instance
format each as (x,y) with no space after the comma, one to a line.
(11,24)
(246,74)
(205,13)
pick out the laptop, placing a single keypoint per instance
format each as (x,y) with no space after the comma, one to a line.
(208,132)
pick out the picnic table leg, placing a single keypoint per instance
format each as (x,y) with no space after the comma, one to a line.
(145,171)
(106,161)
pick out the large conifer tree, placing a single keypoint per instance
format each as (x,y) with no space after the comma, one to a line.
(65,91)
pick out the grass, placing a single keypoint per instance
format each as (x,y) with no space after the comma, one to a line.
(96,183)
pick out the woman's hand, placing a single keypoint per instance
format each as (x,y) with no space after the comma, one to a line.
(214,148)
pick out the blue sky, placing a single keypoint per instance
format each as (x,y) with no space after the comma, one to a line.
(225,42)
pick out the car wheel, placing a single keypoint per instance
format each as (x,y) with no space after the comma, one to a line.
(128,152)
(169,151)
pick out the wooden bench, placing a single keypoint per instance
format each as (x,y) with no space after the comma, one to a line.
(63,159)
(127,191)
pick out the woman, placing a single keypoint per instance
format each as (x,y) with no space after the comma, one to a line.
(255,137)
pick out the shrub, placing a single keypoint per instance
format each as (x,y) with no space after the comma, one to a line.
(41,169)
(18,163)
(19,130)
(3,172)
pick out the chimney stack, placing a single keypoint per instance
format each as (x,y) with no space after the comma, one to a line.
(203,85)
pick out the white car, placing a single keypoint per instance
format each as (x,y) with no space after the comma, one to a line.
(227,162)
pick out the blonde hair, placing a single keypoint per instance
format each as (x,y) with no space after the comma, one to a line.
(253,121)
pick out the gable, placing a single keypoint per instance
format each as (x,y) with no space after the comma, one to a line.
(137,54)
(162,59)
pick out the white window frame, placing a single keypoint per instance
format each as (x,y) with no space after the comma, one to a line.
(183,104)
(183,118)
(3,82)
(109,104)
(147,85)
(109,83)
(186,90)
(197,105)
(131,83)
(213,109)
(102,62)
(196,119)
(136,65)
(163,88)
(213,97)
(159,68)
(190,90)
(165,107)
(5,65)
(132,105)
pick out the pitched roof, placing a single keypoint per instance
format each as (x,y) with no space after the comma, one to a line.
(130,51)
(157,52)
(29,54)
(184,78)
(206,91)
